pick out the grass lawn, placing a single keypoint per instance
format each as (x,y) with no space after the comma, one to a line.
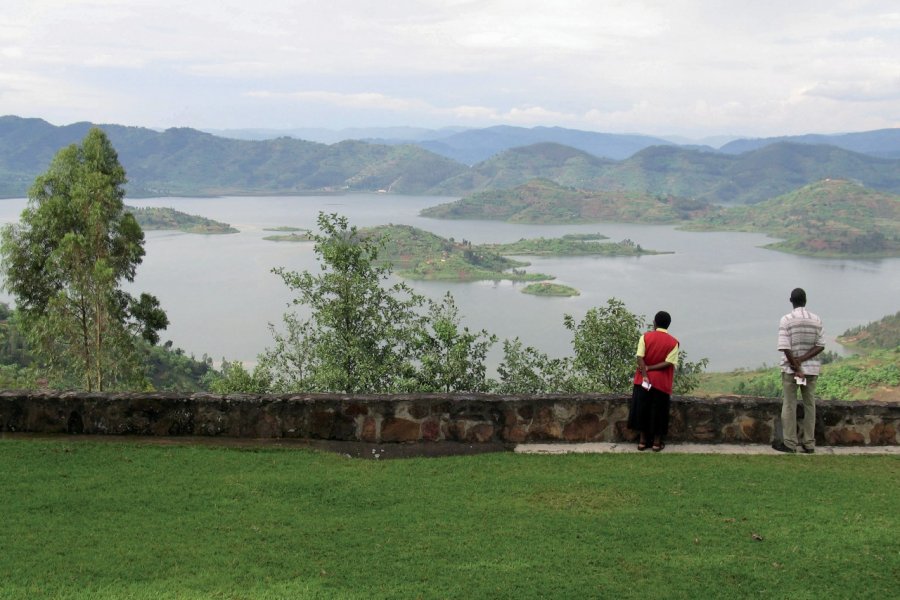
(86,519)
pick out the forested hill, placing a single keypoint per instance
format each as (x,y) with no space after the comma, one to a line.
(186,162)
(545,201)
(827,218)
(684,172)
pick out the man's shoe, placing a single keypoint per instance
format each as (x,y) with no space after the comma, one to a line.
(808,450)
(782,448)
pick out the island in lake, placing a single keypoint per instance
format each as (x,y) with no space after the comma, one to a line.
(419,254)
(152,218)
(289,234)
(545,288)
(576,244)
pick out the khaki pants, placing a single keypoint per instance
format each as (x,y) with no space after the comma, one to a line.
(789,411)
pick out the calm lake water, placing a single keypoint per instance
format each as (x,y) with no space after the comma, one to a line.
(724,292)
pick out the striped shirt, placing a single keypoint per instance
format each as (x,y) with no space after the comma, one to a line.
(799,331)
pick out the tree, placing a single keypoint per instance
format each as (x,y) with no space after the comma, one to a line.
(360,335)
(65,262)
(525,370)
(450,358)
(604,343)
(687,373)
(234,378)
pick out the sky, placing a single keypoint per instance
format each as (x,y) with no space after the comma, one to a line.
(691,68)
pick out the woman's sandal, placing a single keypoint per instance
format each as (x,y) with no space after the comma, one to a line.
(642,446)
(659,447)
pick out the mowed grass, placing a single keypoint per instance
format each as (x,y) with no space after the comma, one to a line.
(86,519)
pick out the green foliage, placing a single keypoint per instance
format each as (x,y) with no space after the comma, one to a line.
(161,367)
(687,374)
(450,358)
(65,262)
(171,370)
(858,377)
(233,378)
(360,335)
(873,375)
(604,342)
(525,370)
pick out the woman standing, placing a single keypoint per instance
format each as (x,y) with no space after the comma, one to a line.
(657,357)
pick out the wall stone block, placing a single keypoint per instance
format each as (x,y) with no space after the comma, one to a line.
(396,429)
(584,428)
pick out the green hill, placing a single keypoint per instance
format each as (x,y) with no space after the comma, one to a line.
(561,164)
(183,161)
(883,334)
(186,162)
(830,218)
(703,175)
(544,201)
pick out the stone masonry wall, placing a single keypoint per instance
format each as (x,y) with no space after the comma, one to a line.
(430,417)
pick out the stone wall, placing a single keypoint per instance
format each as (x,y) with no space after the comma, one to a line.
(467,418)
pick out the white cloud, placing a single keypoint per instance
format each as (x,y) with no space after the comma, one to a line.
(857,91)
(636,65)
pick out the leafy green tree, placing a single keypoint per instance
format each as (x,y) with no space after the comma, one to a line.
(360,335)
(687,373)
(604,343)
(525,370)
(65,262)
(451,358)
(234,378)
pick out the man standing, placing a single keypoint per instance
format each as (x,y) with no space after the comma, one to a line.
(657,357)
(800,339)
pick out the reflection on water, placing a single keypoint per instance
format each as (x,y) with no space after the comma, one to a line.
(725,293)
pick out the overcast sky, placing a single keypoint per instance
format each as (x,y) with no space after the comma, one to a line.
(662,67)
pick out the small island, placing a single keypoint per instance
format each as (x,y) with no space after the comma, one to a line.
(585,244)
(152,218)
(289,234)
(545,288)
(419,254)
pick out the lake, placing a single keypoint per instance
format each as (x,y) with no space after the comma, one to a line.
(724,291)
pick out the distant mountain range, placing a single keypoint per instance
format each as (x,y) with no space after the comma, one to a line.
(183,162)
(673,171)
(884,143)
